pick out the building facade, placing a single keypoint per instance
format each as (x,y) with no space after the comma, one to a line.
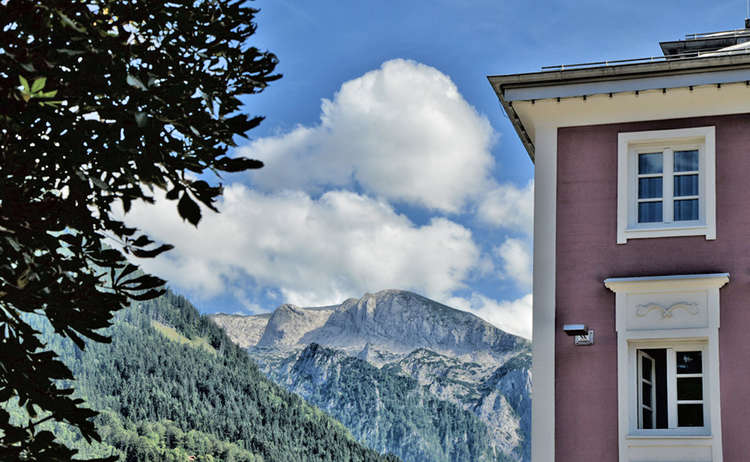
(642,235)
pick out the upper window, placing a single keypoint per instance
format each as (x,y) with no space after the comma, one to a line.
(666,184)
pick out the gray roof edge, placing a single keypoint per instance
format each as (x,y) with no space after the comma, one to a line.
(601,74)
(516,122)
(619,72)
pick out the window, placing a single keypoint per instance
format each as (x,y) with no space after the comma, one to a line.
(657,171)
(668,390)
(666,184)
(670,387)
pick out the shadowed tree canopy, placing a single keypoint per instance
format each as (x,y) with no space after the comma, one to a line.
(103,101)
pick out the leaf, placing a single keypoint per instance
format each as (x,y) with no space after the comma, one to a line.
(5,394)
(25,84)
(49,94)
(147,295)
(141,119)
(38,84)
(173,193)
(188,209)
(237,164)
(69,23)
(140,253)
(129,268)
(141,241)
(65,51)
(99,183)
(134,82)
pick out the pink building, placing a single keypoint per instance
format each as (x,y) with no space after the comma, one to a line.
(641,242)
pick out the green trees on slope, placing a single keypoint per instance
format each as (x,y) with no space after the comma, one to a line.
(387,410)
(154,386)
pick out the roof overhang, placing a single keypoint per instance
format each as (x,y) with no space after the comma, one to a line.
(580,83)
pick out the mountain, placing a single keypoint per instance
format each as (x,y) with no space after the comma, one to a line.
(448,360)
(247,330)
(172,385)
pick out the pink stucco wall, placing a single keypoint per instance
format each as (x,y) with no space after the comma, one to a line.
(587,253)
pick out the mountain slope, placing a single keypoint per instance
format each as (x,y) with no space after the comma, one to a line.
(454,357)
(385,410)
(143,377)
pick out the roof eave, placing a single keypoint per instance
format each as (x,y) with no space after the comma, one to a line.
(516,121)
(601,74)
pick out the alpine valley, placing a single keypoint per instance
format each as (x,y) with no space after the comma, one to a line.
(406,375)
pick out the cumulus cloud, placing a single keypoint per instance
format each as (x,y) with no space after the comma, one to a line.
(402,132)
(509,207)
(512,316)
(516,261)
(314,251)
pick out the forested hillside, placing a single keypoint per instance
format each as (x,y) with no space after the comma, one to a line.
(174,386)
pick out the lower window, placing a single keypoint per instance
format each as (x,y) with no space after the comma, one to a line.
(671,385)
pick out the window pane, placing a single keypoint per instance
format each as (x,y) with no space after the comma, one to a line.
(690,389)
(689,362)
(648,418)
(649,188)
(646,368)
(689,415)
(649,212)
(646,394)
(686,161)
(686,185)
(650,163)
(686,210)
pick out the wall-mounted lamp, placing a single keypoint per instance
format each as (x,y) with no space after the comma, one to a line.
(583,336)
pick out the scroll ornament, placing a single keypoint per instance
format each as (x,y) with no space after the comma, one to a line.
(666,311)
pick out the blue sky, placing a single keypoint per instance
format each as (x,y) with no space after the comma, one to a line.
(389,163)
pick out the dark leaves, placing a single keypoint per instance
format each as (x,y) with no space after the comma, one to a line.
(188,209)
(173,193)
(141,253)
(237,164)
(136,126)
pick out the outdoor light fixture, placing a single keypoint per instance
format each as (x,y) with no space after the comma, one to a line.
(583,336)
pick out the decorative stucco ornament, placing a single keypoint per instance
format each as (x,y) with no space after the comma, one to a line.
(666,312)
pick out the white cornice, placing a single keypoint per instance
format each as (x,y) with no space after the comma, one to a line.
(666,283)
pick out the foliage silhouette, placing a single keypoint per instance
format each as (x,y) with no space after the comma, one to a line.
(103,101)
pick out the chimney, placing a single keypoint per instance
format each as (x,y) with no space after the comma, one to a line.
(747,23)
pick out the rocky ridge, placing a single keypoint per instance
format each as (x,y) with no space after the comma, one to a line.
(454,355)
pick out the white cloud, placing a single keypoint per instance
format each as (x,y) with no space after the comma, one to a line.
(248,305)
(517,263)
(509,207)
(402,132)
(513,316)
(313,251)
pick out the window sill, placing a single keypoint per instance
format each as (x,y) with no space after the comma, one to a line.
(667,436)
(666,231)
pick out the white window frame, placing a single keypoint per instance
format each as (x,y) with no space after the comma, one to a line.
(672,347)
(673,311)
(630,144)
(639,383)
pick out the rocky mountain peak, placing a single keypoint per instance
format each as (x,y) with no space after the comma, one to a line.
(386,336)
(384,326)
